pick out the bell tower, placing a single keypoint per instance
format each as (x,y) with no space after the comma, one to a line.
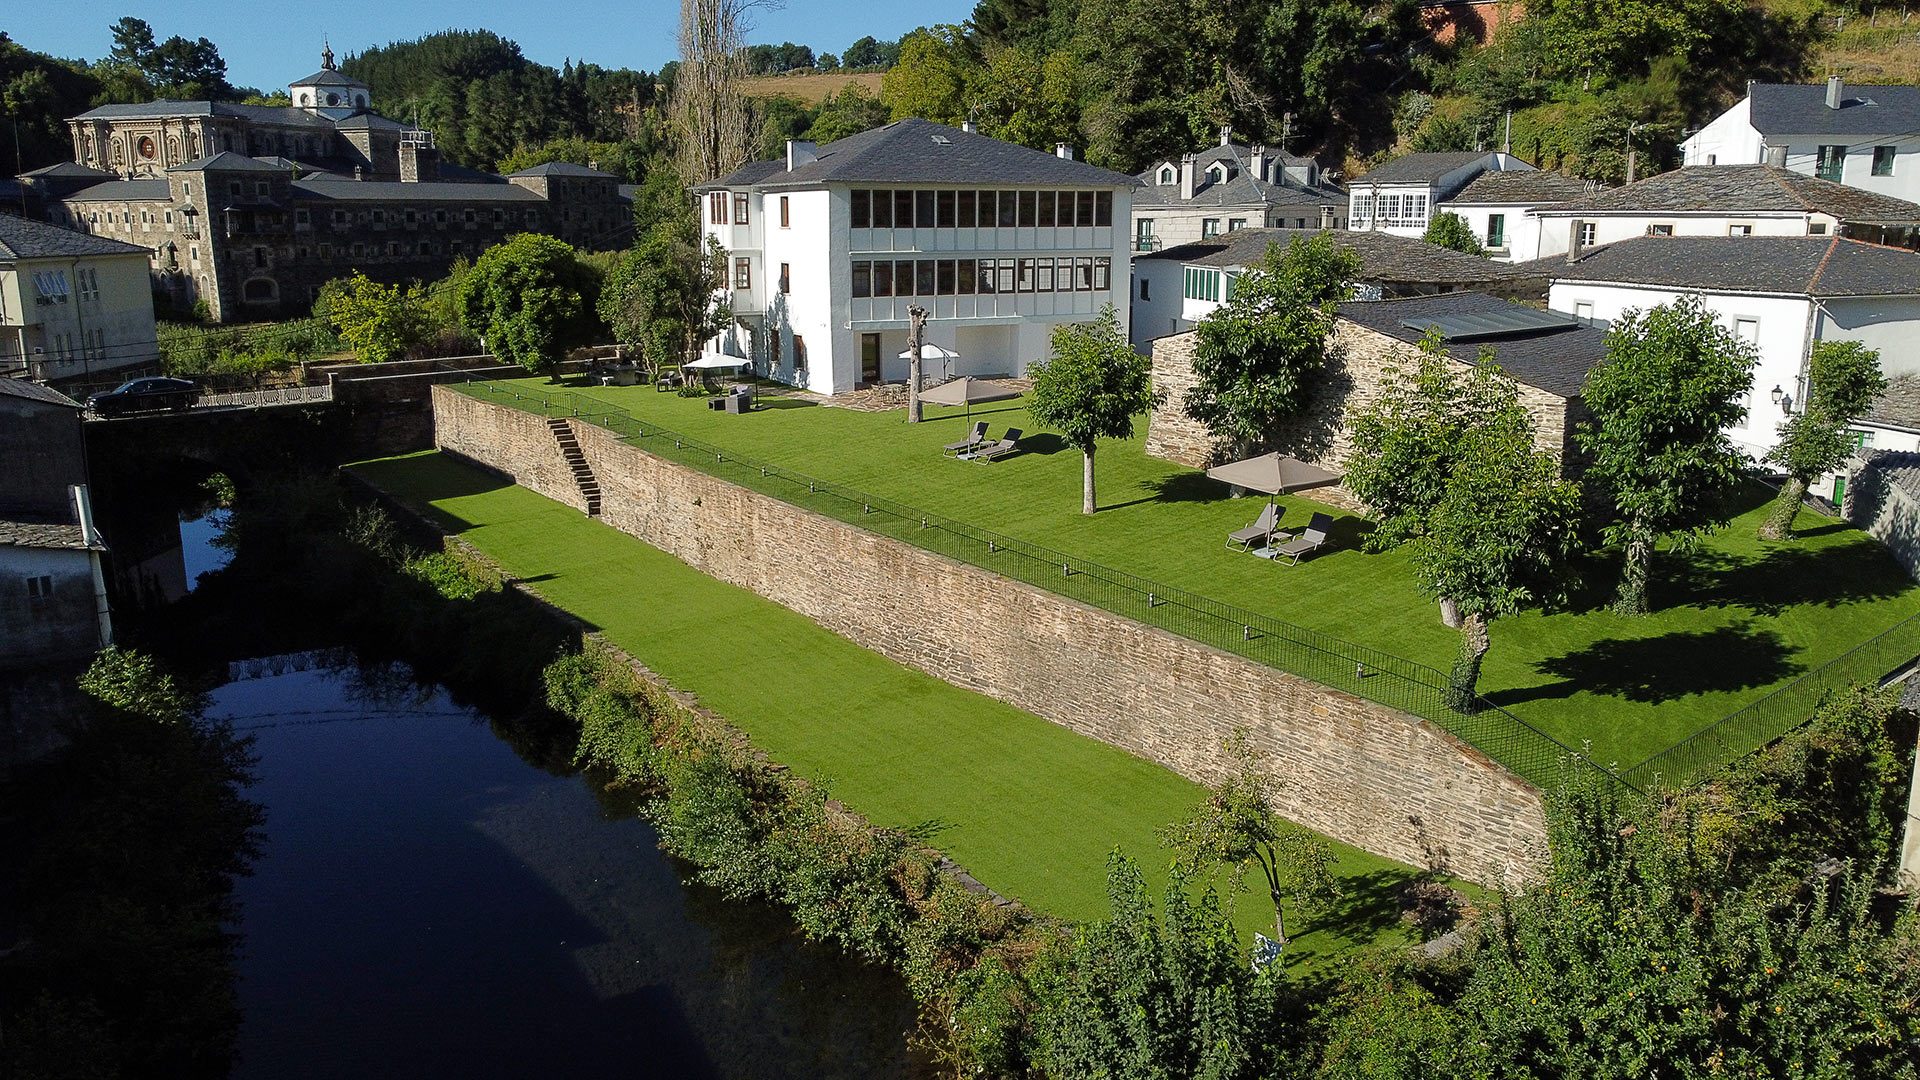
(330,93)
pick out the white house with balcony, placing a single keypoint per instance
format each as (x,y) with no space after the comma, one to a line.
(72,304)
(1726,200)
(1862,136)
(1231,186)
(1401,196)
(829,248)
(1781,293)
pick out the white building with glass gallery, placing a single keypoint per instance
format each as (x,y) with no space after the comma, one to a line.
(829,248)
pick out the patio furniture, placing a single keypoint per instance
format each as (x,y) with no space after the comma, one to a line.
(669,378)
(1261,530)
(968,391)
(978,436)
(1000,449)
(1311,539)
(738,399)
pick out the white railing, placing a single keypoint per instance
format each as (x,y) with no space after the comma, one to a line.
(283,395)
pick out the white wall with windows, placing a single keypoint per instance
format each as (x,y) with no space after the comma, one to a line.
(67,317)
(1509,232)
(1888,164)
(1553,231)
(1401,209)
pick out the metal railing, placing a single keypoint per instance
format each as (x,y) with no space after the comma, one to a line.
(1380,677)
(1760,722)
(278,395)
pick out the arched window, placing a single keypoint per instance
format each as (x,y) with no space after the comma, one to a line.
(1217,172)
(333,98)
(1167,175)
(259,290)
(360,100)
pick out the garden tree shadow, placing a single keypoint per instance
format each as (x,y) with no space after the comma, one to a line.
(1181,487)
(1785,577)
(770,402)
(1367,903)
(1044,443)
(1665,667)
(1310,434)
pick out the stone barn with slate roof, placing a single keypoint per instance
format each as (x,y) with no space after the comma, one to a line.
(1374,342)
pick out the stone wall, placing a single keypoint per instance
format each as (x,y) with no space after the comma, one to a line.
(1361,359)
(1373,777)
(1881,500)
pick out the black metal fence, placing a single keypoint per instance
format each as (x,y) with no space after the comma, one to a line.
(1377,676)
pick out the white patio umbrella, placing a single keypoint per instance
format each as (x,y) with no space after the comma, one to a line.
(968,391)
(717,362)
(929,351)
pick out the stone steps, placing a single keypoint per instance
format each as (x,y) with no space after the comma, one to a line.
(583,478)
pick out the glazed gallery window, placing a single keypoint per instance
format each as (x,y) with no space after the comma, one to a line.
(980,277)
(974,209)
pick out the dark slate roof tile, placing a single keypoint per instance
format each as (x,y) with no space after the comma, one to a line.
(150,189)
(1521,187)
(1801,109)
(1555,360)
(226,161)
(1735,189)
(21,238)
(1796,265)
(1900,405)
(33,535)
(33,391)
(1414,168)
(399,191)
(915,151)
(1383,256)
(562,168)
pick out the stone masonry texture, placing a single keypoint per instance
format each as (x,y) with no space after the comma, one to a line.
(1366,774)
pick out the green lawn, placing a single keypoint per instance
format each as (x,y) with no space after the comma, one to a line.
(1735,620)
(1029,807)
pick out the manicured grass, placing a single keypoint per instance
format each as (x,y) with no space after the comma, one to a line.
(1029,807)
(1735,620)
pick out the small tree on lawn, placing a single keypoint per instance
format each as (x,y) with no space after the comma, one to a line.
(1662,399)
(1236,827)
(531,298)
(1498,537)
(379,322)
(1843,382)
(1091,388)
(1255,357)
(666,296)
(1450,230)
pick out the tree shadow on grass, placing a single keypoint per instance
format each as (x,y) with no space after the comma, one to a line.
(1783,578)
(1043,443)
(769,402)
(1665,667)
(1180,487)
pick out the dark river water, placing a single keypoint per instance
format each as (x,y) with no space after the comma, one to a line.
(429,904)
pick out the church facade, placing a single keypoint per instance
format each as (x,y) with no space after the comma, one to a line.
(250,209)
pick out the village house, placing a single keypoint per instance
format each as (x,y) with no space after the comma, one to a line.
(1176,288)
(1502,208)
(1780,293)
(830,247)
(1725,200)
(1231,186)
(1374,342)
(251,209)
(1401,196)
(1862,136)
(53,601)
(71,305)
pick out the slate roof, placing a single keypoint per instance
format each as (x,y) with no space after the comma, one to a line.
(1801,109)
(398,191)
(561,168)
(65,170)
(1736,189)
(269,114)
(1383,256)
(1555,360)
(1521,187)
(28,534)
(1795,265)
(32,391)
(1900,405)
(1901,468)
(328,77)
(226,161)
(914,151)
(21,238)
(1415,168)
(147,189)
(370,121)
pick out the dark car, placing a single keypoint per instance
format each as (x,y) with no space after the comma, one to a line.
(140,395)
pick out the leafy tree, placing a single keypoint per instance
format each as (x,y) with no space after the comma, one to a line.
(1091,388)
(849,112)
(1137,996)
(1235,826)
(666,295)
(133,683)
(531,300)
(1611,38)
(1843,382)
(175,68)
(1450,230)
(1670,385)
(1027,98)
(379,322)
(1257,354)
(929,81)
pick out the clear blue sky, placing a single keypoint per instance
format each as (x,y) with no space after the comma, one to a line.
(266,43)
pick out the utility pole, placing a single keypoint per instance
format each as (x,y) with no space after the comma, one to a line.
(916,339)
(1631,161)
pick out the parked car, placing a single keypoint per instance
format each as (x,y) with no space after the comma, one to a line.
(141,395)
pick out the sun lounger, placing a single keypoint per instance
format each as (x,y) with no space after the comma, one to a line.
(978,436)
(1260,531)
(1000,449)
(1311,539)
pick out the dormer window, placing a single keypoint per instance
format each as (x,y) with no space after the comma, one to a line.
(1168,175)
(1217,173)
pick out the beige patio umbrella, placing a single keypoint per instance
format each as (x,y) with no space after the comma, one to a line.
(1274,474)
(967,390)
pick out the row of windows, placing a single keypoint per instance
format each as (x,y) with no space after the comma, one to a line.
(967,209)
(1393,209)
(970,277)
(1829,161)
(91,345)
(382,216)
(1203,284)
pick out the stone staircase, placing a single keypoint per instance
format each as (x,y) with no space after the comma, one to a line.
(583,477)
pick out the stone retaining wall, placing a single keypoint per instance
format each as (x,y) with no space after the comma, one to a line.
(1358,771)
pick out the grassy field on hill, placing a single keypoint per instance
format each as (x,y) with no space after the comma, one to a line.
(811,87)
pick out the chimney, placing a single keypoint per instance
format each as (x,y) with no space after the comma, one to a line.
(419,161)
(1259,163)
(1326,217)
(1062,150)
(801,152)
(1226,134)
(1777,156)
(1835,88)
(1573,239)
(1187,184)
(967,126)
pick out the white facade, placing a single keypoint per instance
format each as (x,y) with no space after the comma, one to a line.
(1884,161)
(1509,232)
(1553,230)
(75,315)
(810,307)
(1405,207)
(1782,328)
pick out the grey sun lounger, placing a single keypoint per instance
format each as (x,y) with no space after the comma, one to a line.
(1000,449)
(1311,539)
(970,442)
(1261,530)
